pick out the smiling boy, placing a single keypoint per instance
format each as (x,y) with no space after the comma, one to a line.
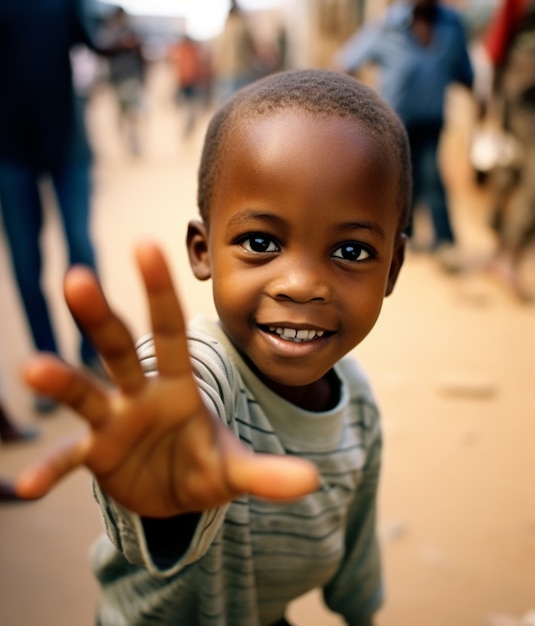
(236,462)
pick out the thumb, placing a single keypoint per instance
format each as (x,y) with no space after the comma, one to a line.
(274,477)
(269,476)
(40,477)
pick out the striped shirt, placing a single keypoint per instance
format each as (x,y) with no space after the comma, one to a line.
(242,564)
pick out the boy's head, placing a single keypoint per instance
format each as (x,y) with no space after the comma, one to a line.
(304,191)
(317,92)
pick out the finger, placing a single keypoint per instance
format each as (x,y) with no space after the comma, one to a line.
(8,492)
(104,328)
(168,324)
(278,478)
(269,476)
(38,479)
(48,375)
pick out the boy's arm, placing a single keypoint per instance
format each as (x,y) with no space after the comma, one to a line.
(151,443)
(166,545)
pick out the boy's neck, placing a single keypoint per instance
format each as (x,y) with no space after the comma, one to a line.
(322,395)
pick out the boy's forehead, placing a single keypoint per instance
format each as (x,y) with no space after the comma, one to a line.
(291,155)
(254,119)
(334,138)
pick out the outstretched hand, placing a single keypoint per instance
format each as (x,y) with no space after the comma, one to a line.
(150,442)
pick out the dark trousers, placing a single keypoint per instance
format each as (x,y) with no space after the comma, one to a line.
(23,218)
(427,184)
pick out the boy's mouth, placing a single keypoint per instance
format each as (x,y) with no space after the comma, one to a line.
(293,334)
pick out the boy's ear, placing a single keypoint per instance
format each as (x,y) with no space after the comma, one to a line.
(397,261)
(197,244)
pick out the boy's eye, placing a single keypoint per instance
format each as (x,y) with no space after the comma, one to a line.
(259,243)
(351,251)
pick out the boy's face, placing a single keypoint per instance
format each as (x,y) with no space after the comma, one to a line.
(303,243)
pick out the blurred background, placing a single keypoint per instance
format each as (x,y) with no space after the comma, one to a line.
(452,359)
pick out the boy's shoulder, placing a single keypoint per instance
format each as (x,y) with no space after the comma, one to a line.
(353,374)
(206,340)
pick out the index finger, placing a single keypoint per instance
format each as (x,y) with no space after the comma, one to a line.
(167,318)
(106,330)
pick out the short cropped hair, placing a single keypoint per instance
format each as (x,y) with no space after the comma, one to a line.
(317,92)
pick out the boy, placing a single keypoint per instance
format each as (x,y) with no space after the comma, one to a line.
(237,467)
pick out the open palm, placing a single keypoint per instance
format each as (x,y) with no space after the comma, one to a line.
(151,443)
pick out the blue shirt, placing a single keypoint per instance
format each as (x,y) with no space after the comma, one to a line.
(413,78)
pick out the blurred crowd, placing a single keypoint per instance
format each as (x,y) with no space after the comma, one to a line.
(412,52)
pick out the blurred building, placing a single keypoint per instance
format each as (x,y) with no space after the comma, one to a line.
(309,31)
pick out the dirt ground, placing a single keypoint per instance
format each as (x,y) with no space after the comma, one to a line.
(452,360)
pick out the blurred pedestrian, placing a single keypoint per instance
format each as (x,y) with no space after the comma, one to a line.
(234,58)
(87,69)
(510,44)
(127,67)
(420,47)
(42,133)
(186,58)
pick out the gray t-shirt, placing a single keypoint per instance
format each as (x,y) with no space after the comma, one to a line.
(242,564)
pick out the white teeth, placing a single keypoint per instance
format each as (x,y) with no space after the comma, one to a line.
(291,334)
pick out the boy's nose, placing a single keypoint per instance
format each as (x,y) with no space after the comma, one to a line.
(303,282)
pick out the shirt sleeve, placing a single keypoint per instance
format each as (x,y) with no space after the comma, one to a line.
(167,546)
(360,49)
(356,590)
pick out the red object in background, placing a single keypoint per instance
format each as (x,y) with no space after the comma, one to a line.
(501,28)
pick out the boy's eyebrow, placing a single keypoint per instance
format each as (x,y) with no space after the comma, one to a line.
(244,216)
(251,214)
(373,227)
